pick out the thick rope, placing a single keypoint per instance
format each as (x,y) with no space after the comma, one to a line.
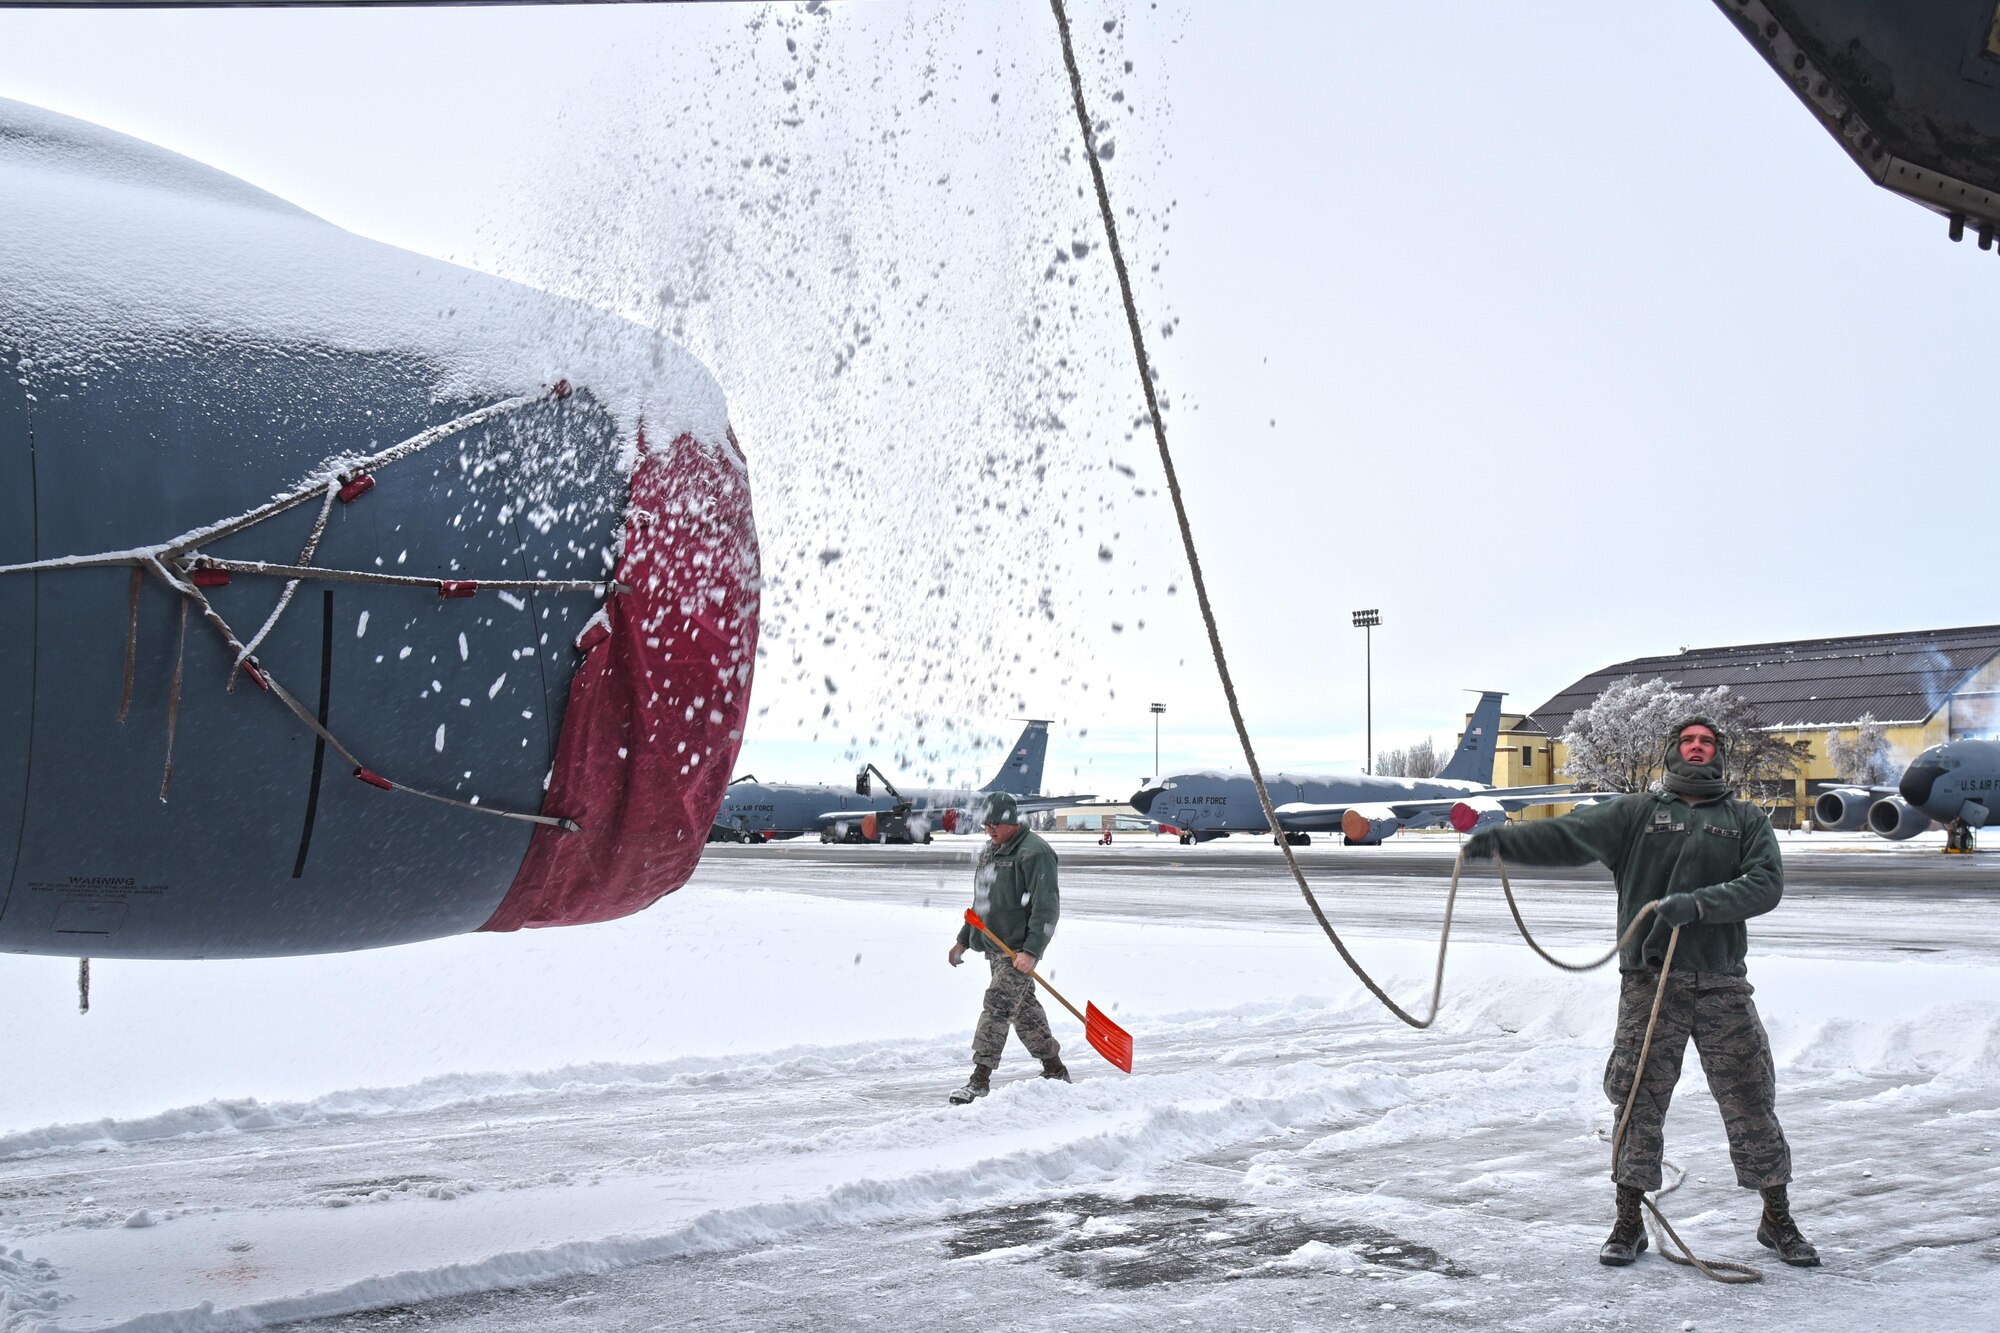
(1229,685)
(417,443)
(191,594)
(295,573)
(171,562)
(291,587)
(131,642)
(331,472)
(1187,533)
(174,702)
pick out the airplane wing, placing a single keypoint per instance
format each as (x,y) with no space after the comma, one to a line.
(842,816)
(1038,803)
(1433,812)
(1028,805)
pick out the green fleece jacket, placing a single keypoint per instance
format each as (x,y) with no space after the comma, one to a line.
(1656,843)
(1014,892)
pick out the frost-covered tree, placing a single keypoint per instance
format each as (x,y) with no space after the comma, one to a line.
(1619,742)
(1616,743)
(1421,760)
(1864,759)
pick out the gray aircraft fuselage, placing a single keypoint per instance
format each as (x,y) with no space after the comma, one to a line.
(1215,803)
(1956,784)
(788,809)
(1957,780)
(1211,804)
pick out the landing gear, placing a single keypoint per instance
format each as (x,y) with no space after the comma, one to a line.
(1958,838)
(1187,839)
(1295,839)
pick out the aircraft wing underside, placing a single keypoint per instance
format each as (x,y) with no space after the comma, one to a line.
(1306,817)
(1028,805)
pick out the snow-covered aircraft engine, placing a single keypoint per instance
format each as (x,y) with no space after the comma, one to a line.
(1843,809)
(1896,819)
(1476,813)
(352,598)
(1367,825)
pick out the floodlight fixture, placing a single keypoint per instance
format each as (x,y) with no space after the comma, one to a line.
(1366,621)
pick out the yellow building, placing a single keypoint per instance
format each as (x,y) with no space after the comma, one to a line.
(1924,687)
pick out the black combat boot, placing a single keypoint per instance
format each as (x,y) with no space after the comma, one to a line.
(975,1087)
(1054,1068)
(1777,1231)
(1628,1233)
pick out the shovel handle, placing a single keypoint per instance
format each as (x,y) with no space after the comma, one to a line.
(972,919)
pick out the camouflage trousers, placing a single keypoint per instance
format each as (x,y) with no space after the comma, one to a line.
(1715,1009)
(1010,1002)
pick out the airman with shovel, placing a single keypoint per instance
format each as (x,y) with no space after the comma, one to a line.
(1014,892)
(1013,916)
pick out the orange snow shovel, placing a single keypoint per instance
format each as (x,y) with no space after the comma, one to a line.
(1106,1037)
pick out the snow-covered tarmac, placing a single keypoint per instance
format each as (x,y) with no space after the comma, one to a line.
(728,1112)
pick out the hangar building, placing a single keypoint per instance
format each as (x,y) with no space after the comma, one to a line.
(1925,687)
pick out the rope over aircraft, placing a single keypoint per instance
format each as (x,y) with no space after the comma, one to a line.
(355,598)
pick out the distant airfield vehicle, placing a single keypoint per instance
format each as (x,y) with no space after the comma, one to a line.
(1956,784)
(754,811)
(352,598)
(1366,809)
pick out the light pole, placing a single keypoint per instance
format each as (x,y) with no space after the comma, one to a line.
(1157,710)
(1366,621)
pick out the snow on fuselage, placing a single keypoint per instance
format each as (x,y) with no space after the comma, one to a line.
(180,347)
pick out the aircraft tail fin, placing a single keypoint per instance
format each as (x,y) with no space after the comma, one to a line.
(1473,760)
(1021,772)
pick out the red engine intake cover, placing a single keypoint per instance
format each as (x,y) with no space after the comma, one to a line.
(656,710)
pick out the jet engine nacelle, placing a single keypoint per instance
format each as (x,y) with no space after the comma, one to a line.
(1366,825)
(1896,819)
(1843,809)
(1478,813)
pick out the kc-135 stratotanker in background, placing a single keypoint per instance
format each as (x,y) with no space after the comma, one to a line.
(1956,784)
(1364,809)
(754,811)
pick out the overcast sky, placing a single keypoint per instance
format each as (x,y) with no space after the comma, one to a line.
(1559,332)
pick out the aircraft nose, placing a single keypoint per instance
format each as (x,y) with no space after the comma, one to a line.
(1142,799)
(1917,782)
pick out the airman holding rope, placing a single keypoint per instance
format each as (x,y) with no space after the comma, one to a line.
(1708,862)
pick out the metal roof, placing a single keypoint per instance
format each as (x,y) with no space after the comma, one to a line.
(1900,678)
